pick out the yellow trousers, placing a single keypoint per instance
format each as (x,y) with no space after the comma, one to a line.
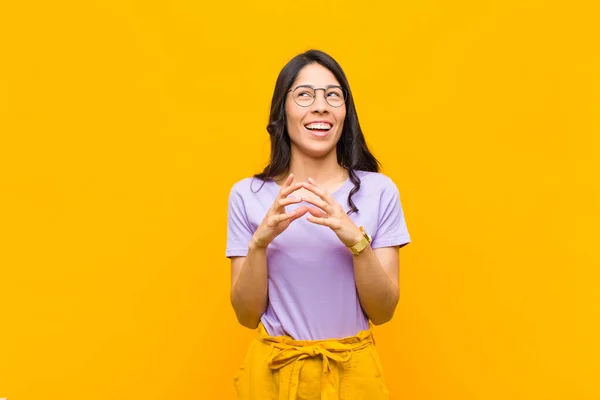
(281,368)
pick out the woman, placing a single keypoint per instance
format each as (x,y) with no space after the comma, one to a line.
(313,242)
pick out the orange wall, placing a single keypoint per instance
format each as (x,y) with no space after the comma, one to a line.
(124,124)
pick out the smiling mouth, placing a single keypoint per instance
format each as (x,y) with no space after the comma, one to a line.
(318,127)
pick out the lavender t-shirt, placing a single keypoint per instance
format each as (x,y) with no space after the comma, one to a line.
(312,292)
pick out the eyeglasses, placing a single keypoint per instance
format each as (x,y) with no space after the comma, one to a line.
(304,95)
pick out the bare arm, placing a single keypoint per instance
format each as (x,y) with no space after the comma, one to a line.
(376,272)
(249,286)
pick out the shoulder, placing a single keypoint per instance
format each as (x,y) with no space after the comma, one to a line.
(246,187)
(374,182)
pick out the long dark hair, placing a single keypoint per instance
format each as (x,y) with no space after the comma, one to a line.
(352,151)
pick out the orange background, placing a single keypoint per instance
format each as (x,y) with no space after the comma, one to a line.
(124,124)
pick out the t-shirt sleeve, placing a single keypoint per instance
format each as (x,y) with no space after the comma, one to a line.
(391,227)
(239,232)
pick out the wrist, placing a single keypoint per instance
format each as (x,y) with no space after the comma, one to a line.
(358,237)
(256,244)
(363,242)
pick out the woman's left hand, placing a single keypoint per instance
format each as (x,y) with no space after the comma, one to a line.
(328,212)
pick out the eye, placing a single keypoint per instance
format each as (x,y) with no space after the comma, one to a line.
(303,93)
(334,93)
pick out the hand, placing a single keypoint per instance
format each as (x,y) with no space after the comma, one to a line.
(329,212)
(277,220)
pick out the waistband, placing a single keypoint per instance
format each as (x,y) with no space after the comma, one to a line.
(286,350)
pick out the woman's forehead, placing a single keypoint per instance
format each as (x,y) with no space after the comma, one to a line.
(315,75)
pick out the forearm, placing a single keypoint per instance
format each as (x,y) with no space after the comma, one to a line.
(377,293)
(249,293)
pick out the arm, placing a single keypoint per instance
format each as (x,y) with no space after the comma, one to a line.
(249,286)
(376,275)
(376,271)
(249,273)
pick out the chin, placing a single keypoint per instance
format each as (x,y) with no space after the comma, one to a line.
(317,152)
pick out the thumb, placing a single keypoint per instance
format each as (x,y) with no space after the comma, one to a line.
(300,211)
(317,212)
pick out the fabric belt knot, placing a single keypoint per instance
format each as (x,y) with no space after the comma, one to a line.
(284,354)
(286,350)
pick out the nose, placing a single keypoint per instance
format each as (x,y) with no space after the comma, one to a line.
(319,105)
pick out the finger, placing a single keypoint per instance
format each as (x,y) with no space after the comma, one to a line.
(317,212)
(280,203)
(318,221)
(326,207)
(279,218)
(286,190)
(323,194)
(298,212)
(289,180)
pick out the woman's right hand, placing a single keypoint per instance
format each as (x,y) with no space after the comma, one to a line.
(277,220)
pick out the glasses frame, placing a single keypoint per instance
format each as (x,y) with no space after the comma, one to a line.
(324,91)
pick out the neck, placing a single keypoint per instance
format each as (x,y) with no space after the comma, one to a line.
(324,171)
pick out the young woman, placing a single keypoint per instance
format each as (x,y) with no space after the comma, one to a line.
(313,242)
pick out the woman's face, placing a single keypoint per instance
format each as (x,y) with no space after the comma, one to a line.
(316,129)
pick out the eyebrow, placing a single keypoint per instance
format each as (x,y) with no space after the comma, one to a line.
(312,86)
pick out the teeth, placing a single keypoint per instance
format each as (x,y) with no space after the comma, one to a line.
(319,126)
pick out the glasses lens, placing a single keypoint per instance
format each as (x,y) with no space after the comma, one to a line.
(303,95)
(335,96)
